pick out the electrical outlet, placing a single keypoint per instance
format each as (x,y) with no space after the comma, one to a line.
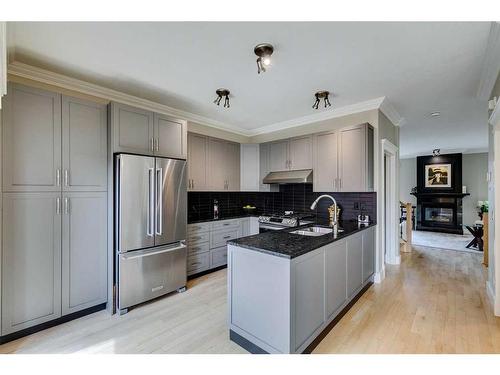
(356,205)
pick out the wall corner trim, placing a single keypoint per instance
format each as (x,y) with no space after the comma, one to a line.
(491,63)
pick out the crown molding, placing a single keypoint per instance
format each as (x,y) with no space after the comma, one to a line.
(33,73)
(321,116)
(491,63)
(22,70)
(390,112)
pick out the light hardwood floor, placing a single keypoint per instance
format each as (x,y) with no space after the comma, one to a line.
(434,302)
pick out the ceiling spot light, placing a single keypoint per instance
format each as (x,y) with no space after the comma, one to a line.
(222,93)
(436,152)
(435,114)
(321,95)
(264,52)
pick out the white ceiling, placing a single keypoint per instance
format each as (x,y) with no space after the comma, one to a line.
(419,67)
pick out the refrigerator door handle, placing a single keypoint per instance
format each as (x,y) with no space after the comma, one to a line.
(151,203)
(159,201)
(149,252)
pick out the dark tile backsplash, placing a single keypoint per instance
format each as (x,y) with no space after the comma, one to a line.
(295,197)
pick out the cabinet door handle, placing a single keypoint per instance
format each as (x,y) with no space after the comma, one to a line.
(58,177)
(157,142)
(152,144)
(66,205)
(189,183)
(66,177)
(192,183)
(58,206)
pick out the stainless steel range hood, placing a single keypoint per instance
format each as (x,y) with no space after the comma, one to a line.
(302,176)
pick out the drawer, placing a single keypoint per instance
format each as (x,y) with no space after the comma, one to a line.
(198,237)
(218,239)
(198,263)
(198,228)
(218,257)
(197,248)
(226,224)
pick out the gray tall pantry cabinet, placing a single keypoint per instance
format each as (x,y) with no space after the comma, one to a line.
(54,218)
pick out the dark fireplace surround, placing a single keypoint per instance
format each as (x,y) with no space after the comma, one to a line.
(439,209)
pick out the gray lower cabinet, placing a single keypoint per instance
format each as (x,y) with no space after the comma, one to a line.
(31,139)
(281,305)
(336,276)
(84,257)
(84,145)
(354,264)
(31,260)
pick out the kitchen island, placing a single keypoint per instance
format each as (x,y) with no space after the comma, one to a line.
(286,289)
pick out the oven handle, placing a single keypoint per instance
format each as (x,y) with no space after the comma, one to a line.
(271,227)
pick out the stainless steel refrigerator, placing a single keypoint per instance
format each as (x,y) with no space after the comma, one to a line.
(150,233)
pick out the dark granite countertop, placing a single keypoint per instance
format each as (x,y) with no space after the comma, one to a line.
(282,243)
(238,216)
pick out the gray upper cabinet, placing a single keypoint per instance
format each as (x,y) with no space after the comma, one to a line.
(31,140)
(343,160)
(170,137)
(31,260)
(217,171)
(325,162)
(197,162)
(84,260)
(133,129)
(278,156)
(223,165)
(356,159)
(84,145)
(300,153)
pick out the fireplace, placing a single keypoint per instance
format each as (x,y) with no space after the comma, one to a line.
(439,203)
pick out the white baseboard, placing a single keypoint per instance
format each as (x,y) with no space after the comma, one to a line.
(396,260)
(491,296)
(379,276)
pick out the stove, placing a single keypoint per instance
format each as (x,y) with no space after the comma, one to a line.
(282,220)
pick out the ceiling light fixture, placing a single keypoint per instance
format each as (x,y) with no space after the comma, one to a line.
(436,152)
(264,51)
(220,93)
(321,95)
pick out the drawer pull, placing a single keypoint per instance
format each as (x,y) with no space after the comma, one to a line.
(226,237)
(226,224)
(195,263)
(196,238)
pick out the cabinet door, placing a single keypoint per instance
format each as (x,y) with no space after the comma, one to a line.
(368,253)
(263,166)
(352,159)
(232,166)
(84,255)
(217,164)
(309,289)
(336,278)
(354,264)
(197,162)
(84,144)
(278,156)
(325,162)
(300,154)
(249,167)
(31,259)
(170,137)
(132,129)
(31,140)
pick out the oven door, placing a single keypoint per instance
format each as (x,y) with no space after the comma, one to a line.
(269,227)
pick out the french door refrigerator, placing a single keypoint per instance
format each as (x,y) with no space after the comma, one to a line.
(150,233)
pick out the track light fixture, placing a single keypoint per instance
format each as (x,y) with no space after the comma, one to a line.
(321,95)
(264,52)
(436,152)
(220,93)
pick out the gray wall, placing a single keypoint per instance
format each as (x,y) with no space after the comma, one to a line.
(474,169)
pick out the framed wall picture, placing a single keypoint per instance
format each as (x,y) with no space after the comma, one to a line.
(438,175)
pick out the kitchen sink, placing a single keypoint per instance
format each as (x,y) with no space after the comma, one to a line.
(314,231)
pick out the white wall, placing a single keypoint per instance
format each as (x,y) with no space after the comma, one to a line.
(407,180)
